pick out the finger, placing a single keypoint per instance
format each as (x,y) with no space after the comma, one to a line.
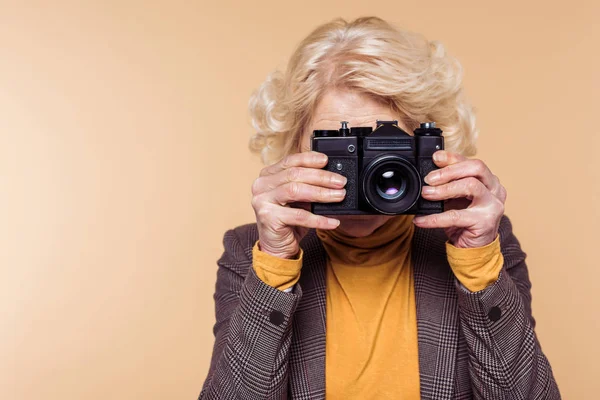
(443,158)
(312,176)
(447,219)
(454,166)
(469,188)
(463,169)
(311,159)
(299,217)
(302,192)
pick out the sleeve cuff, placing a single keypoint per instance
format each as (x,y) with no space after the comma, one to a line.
(280,273)
(476,268)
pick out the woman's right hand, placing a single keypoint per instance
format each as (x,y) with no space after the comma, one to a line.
(297,180)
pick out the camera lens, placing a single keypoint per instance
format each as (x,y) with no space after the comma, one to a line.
(391,184)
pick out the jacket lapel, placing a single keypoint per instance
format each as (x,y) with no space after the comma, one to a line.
(307,350)
(437,314)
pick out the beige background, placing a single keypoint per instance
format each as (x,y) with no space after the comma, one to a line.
(123,134)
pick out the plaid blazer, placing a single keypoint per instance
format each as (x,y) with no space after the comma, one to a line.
(270,344)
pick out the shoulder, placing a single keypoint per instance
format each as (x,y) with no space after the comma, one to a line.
(237,249)
(509,244)
(238,241)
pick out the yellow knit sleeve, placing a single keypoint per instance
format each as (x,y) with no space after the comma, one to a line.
(476,268)
(280,273)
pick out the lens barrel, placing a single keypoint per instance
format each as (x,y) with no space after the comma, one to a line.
(391,185)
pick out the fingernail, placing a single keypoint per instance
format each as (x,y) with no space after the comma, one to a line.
(321,158)
(440,156)
(339,180)
(428,190)
(340,193)
(417,220)
(333,222)
(432,177)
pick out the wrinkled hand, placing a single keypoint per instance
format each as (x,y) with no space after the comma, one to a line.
(281,198)
(474,200)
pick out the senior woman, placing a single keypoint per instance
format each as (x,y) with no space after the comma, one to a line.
(372,306)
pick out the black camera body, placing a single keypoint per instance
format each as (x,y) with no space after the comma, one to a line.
(385,168)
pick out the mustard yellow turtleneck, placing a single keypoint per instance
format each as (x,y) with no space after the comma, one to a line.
(371,350)
(371,338)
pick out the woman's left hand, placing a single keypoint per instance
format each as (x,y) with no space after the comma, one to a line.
(474,200)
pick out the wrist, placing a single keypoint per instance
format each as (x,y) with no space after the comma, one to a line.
(275,271)
(279,254)
(481,241)
(476,268)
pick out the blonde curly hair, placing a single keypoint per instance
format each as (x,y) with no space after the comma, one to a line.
(414,76)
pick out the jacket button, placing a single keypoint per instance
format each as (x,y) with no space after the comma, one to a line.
(276,317)
(495,314)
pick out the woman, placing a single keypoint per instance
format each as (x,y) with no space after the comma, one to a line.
(376,306)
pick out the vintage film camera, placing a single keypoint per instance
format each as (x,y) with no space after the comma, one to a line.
(385,168)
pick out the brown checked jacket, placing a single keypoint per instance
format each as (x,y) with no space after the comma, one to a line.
(270,344)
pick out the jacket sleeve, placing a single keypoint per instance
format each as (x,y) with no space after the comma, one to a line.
(506,360)
(253,331)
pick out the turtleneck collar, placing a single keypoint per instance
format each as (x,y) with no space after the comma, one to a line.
(386,242)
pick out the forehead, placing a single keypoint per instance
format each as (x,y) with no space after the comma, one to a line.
(357,108)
